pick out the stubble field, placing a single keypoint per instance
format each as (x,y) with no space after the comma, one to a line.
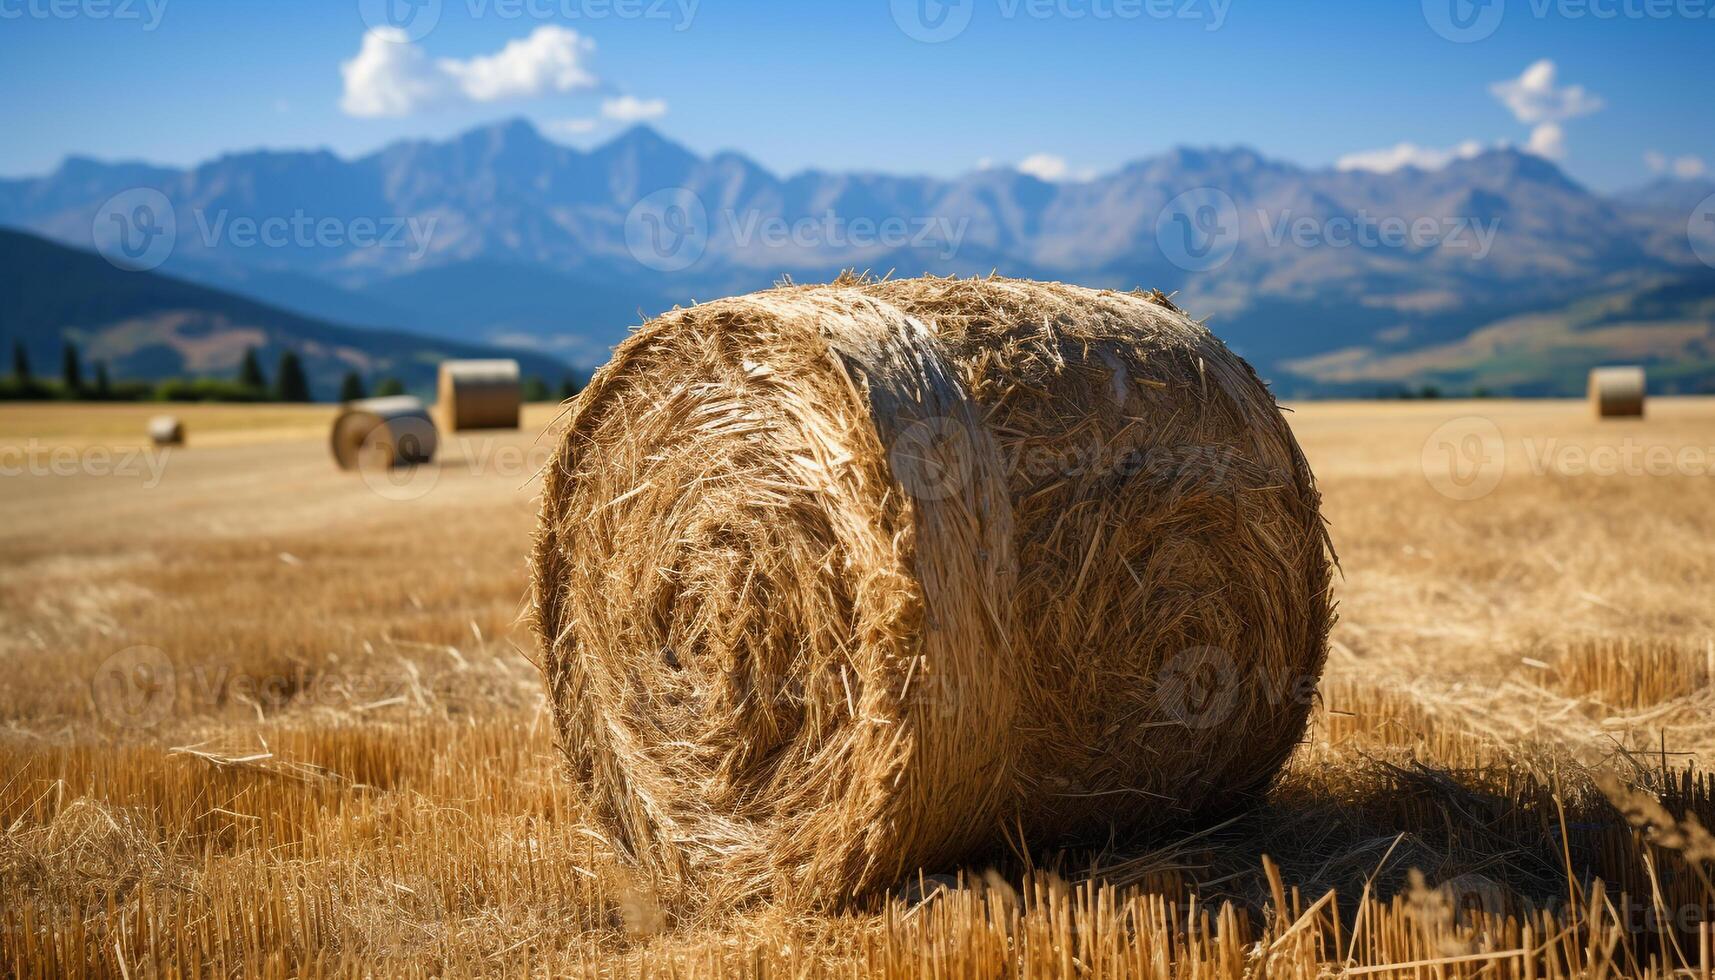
(260,716)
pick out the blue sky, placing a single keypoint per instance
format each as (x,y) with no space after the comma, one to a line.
(1072,86)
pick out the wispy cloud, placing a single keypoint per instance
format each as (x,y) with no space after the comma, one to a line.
(1687,166)
(630,108)
(1400,155)
(1044,166)
(570,128)
(392,76)
(1535,99)
(1547,140)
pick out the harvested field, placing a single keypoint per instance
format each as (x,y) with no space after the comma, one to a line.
(265,717)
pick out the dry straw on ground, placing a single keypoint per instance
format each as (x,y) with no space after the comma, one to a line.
(396,806)
(166,430)
(480,394)
(839,582)
(1617,392)
(383,432)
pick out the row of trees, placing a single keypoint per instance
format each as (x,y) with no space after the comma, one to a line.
(290,383)
(351,388)
(23,383)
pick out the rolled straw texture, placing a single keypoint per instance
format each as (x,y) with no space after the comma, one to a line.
(167,430)
(839,582)
(383,432)
(1617,392)
(480,394)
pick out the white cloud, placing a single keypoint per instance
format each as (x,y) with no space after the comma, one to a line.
(550,60)
(630,108)
(1044,166)
(1390,159)
(1686,167)
(569,128)
(391,76)
(1533,97)
(1547,140)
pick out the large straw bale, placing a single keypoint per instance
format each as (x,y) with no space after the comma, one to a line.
(837,582)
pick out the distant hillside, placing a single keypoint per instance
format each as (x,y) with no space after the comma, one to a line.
(149,326)
(1669,326)
(572,316)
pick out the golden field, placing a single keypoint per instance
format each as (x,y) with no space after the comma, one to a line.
(265,717)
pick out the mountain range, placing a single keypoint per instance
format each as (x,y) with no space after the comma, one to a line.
(1324,278)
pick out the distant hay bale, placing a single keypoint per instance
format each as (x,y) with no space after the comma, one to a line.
(384,433)
(838,582)
(480,394)
(167,430)
(1617,392)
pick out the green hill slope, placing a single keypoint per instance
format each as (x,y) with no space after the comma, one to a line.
(149,326)
(1667,325)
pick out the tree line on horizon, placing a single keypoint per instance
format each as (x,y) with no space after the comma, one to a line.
(290,385)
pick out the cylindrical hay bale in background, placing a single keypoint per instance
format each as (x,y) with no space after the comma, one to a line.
(838,582)
(166,430)
(383,432)
(1617,392)
(480,394)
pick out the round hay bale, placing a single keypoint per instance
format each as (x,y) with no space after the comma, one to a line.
(166,430)
(480,394)
(838,582)
(383,433)
(1617,392)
